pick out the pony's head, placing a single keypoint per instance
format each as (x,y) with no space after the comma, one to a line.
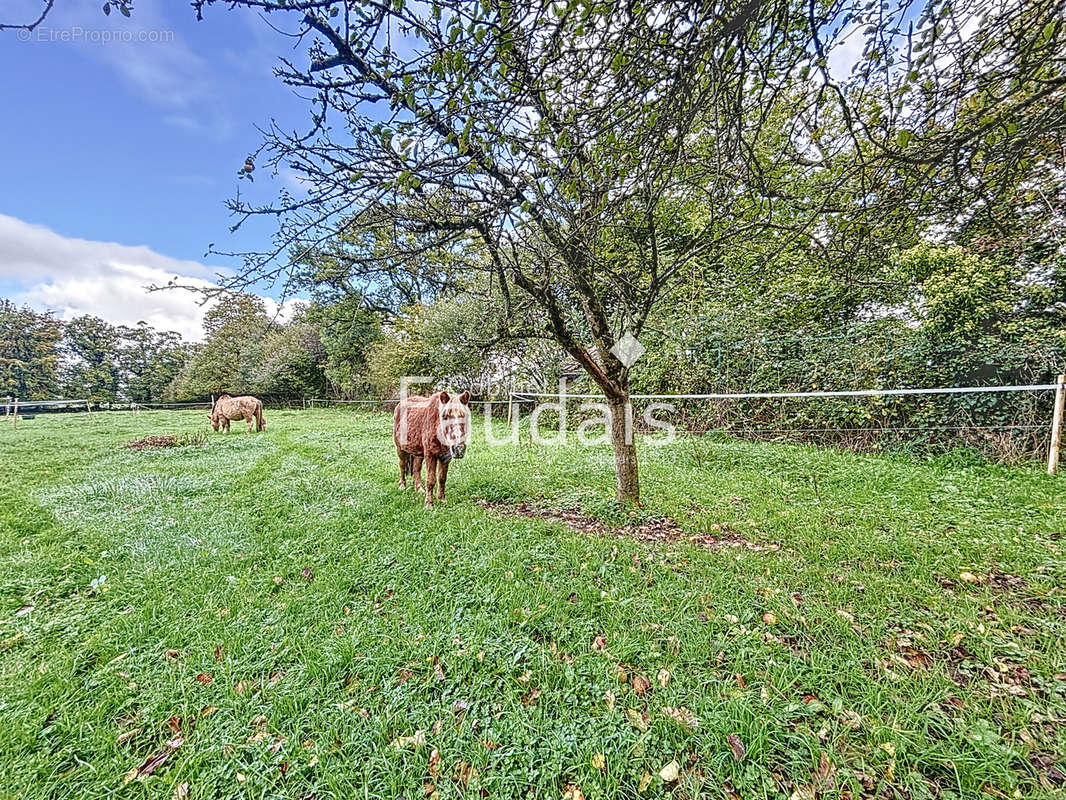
(453,426)
(215,421)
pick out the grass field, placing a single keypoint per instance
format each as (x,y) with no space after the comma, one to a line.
(270,617)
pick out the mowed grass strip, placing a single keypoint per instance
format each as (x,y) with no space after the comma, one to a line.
(269,616)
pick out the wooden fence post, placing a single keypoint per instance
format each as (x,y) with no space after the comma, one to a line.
(15,415)
(1056,428)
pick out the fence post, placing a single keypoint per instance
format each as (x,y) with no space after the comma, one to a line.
(15,415)
(1056,427)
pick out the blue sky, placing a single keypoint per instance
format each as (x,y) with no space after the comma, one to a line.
(119,155)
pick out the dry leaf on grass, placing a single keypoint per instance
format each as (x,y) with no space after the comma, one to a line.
(204,678)
(434,763)
(416,740)
(572,792)
(172,654)
(599,642)
(641,685)
(609,699)
(736,746)
(645,782)
(181,791)
(154,761)
(307,574)
(125,737)
(682,716)
(670,772)
(637,719)
(599,761)
(769,618)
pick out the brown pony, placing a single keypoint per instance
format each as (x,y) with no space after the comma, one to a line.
(245,407)
(434,429)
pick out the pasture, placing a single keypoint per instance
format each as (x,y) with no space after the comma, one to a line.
(269,616)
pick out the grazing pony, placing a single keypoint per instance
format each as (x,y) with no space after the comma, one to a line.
(434,429)
(245,407)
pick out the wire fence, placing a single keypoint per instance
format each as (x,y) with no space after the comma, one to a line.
(926,418)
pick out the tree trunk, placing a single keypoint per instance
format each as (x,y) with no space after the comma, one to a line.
(625,451)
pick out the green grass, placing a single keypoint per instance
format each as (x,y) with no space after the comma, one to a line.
(912,681)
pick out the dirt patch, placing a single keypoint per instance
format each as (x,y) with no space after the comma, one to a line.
(168,440)
(658,529)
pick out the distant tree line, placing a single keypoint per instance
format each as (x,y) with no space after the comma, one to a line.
(323,350)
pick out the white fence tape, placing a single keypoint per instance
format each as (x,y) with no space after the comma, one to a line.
(1034,387)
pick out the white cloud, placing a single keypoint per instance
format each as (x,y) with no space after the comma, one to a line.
(79,276)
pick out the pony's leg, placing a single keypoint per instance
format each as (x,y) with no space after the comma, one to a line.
(442,478)
(431,478)
(403,467)
(416,469)
(250,420)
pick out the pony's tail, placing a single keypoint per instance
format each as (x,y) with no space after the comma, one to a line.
(260,423)
(408,465)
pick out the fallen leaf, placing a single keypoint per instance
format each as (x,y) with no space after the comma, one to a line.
(416,740)
(850,719)
(743,684)
(968,577)
(434,763)
(670,772)
(641,685)
(278,580)
(208,711)
(645,782)
(459,706)
(682,716)
(769,618)
(530,697)
(623,676)
(463,773)
(599,761)
(438,671)
(204,678)
(599,642)
(276,676)
(307,574)
(24,610)
(245,687)
(609,699)
(172,654)
(637,719)
(181,791)
(571,792)
(664,677)
(219,652)
(174,723)
(241,777)
(736,746)
(125,737)
(154,761)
